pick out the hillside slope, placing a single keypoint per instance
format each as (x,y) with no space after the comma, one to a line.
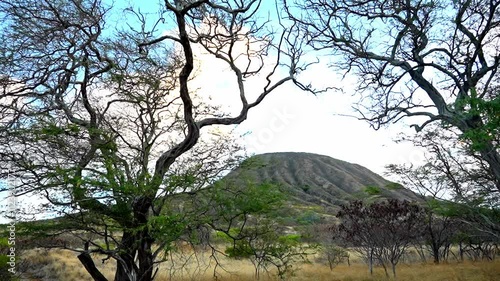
(313,179)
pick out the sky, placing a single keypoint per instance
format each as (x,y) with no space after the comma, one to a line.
(305,123)
(291,120)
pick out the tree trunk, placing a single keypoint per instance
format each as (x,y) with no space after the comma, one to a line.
(330,262)
(490,155)
(144,241)
(134,246)
(435,251)
(146,259)
(446,252)
(126,270)
(370,261)
(135,261)
(139,246)
(394,270)
(385,269)
(433,239)
(461,251)
(89,265)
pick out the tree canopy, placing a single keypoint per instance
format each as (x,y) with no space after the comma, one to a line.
(99,115)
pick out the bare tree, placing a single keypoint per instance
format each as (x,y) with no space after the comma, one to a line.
(98,116)
(381,231)
(437,60)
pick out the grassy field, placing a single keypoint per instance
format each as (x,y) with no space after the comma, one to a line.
(60,265)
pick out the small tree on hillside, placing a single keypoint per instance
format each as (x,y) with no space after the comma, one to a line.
(440,233)
(382,230)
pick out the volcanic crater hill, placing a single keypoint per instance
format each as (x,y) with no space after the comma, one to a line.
(318,180)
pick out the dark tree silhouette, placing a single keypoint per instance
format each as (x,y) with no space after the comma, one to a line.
(381,231)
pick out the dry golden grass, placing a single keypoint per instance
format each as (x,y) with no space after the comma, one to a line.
(60,265)
(480,271)
(56,265)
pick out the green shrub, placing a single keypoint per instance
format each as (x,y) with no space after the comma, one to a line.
(372,190)
(241,249)
(394,186)
(5,275)
(308,217)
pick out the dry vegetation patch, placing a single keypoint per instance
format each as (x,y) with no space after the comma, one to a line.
(62,265)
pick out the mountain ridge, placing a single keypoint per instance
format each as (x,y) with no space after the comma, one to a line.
(319,179)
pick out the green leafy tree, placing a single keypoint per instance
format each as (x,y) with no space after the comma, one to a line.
(267,247)
(244,216)
(99,117)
